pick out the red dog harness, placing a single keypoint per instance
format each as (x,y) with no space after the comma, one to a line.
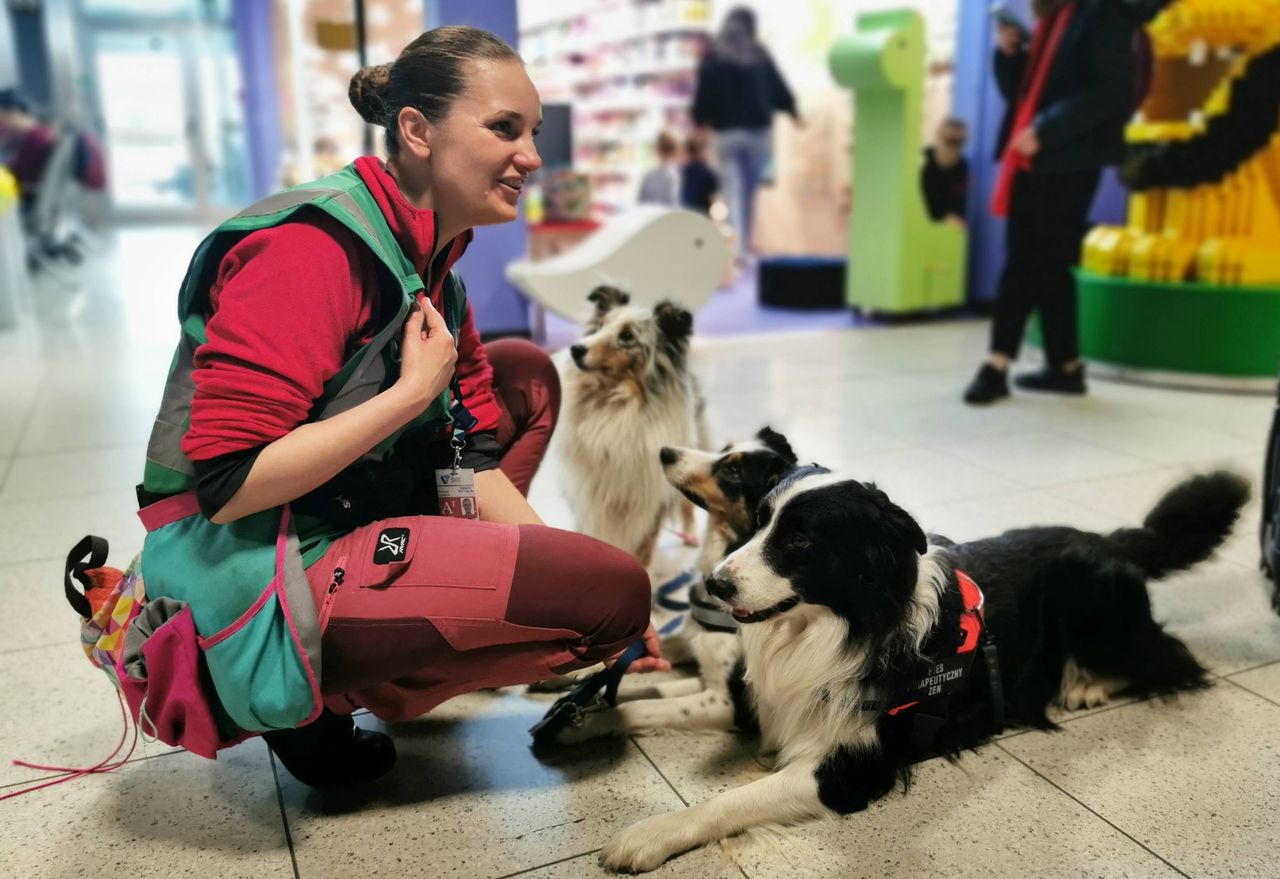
(945,676)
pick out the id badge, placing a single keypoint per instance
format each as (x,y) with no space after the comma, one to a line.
(456,489)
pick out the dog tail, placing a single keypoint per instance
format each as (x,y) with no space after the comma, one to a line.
(1188,523)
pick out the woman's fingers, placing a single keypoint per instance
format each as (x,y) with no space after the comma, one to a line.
(647,664)
(435,323)
(413,323)
(653,661)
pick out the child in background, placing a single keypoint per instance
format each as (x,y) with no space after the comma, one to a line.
(698,183)
(662,184)
(945,175)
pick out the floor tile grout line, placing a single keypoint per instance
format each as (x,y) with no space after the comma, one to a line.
(548,864)
(284,814)
(1241,686)
(679,795)
(1092,811)
(1251,668)
(5,497)
(661,774)
(1066,720)
(21,436)
(942,450)
(77,450)
(9,651)
(1215,677)
(39,778)
(4,478)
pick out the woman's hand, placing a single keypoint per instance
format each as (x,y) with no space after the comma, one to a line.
(652,660)
(1027,143)
(427,354)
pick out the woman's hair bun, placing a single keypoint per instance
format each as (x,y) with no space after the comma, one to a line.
(367,93)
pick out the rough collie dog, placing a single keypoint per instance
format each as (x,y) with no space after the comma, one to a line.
(867,649)
(627,393)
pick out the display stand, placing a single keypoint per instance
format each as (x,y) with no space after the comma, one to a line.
(899,259)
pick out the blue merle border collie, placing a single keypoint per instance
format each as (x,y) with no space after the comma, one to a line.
(843,600)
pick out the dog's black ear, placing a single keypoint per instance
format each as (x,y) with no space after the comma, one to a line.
(607,298)
(897,522)
(778,468)
(674,322)
(778,443)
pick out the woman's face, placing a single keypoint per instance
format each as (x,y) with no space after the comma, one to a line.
(483,150)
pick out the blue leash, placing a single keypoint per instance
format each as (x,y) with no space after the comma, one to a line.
(586,698)
(669,588)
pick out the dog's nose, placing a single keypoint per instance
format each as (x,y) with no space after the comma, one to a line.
(578,352)
(721,586)
(667,455)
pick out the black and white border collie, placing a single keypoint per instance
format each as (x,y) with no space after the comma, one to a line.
(843,602)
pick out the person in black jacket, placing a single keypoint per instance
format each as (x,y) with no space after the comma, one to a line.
(1069,95)
(944,176)
(737,91)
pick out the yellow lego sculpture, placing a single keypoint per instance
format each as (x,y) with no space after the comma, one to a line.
(1204,153)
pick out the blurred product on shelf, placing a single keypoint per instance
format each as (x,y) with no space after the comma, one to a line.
(627,68)
(566,196)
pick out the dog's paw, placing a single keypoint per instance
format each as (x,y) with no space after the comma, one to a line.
(1086,694)
(646,845)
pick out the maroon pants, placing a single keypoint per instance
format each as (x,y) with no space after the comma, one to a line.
(464,605)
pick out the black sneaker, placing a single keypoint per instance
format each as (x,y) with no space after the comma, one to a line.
(1054,381)
(332,753)
(989,385)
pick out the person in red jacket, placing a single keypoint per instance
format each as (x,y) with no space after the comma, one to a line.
(288,306)
(1069,93)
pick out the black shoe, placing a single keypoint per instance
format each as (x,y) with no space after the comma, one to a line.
(1054,381)
(989,385)
(332,753)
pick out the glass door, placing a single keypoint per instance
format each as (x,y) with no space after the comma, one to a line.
(149,122)
(166,85)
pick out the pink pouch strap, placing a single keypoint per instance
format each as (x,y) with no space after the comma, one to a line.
(169,510)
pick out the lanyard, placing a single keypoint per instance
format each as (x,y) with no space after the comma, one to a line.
(463,421)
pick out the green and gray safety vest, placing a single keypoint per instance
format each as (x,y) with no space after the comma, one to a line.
(245,581)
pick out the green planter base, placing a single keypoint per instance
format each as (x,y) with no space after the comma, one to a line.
(1187,327)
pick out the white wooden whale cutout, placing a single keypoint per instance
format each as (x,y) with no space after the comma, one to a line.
(652,252)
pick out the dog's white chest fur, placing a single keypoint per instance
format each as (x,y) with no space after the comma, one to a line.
(613,477)
(805,682)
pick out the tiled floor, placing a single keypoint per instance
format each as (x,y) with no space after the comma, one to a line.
(1186,787)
